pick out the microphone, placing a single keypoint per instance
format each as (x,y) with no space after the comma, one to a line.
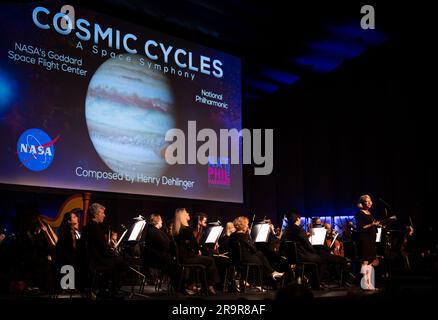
(385,203)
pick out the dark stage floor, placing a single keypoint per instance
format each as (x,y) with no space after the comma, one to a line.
(395,288)
(410,295)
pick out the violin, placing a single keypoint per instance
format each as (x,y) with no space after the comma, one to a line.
(197,233)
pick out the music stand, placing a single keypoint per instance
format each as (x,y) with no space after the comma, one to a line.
(260,232)
(317,237)
(379,234)
(137,229)
(212,234)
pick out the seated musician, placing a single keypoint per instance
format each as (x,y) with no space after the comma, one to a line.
(333,241)
(270,250)
(188,248)
(201,225)
(248,252)
(306,252)
(316,222)
(67,247)
(99,254)
(37,255)
(68,238)
(157,248)
(198,232)
(224,240)
(114,238)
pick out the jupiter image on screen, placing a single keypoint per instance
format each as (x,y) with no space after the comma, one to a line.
(128,110)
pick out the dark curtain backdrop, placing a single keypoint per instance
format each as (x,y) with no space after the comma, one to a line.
(367,128)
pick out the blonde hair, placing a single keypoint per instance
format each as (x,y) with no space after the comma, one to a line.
(229,228)
(362,200)
(179,221)
(240,223)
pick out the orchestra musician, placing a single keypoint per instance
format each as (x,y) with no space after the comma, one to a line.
(69,248)
(248,252)
(316,222)
(305,251)
(347,231)
(201,225)
(308,253)
(114,239)
(68,240)
(188,248)
(99,254)
(199,231)
(157,252)
(270,250)
(224,240)
(333,241)
(367,230)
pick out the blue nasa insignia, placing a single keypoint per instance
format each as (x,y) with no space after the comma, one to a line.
(36,149)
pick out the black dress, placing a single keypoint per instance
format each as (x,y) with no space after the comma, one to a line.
(366,237)
(188,249)
(66,249)
(224,244)
(157,248)
(248,252)
(157,252)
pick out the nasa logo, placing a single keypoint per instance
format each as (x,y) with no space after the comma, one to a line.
(36,149)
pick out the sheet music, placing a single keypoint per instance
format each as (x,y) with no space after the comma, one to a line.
(263,233)
(379,234)
(138,228)
(214,234)
(318,236)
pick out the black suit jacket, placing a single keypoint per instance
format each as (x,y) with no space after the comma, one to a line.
(187,243)
(98,251)
(157,247)
(247,248)
(297,234)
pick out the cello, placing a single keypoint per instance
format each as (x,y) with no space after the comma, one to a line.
(335,246)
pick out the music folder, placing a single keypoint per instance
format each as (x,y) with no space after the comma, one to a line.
(213,234)
(260,232)
(137,230)
(317,237)
(379,234)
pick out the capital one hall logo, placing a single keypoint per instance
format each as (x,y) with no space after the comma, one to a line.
(36,149)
